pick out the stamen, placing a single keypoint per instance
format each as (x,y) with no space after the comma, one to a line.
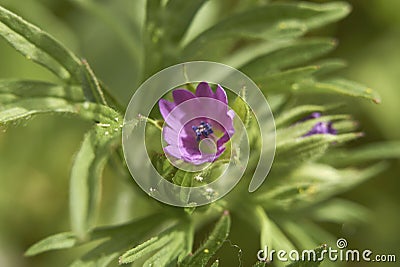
(204,129)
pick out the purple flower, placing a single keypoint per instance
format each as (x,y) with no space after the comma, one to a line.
(197,126)
(320,127)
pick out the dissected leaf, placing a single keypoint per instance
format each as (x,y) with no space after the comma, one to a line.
(85,182)
(57,241)
(43,49)
(184,179)
(289,55)
(178,25)
(168,253)
(285,80)
(14,90)
(329,66)
(367,153)
(306,148)
(25,108)
(294,231)
(215,264)
(128,34)
(39,46)
(299,112)
(164,31)
(302,127)
(260,264)
(117,239)
(271,234)
(341,86)
(213,243)
(312,183)
(341,211)
(115,234)
(273,21)
(242,109)
(318,252)
(164,248)
(22,99)
(91,86)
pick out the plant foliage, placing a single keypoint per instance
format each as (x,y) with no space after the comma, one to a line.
(270,43)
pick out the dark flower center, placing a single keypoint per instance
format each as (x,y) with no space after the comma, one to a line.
(204,129)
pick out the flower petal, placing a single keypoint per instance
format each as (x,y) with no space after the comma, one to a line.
(173,151)
(204,90)
(231,113)
(165,107)
(220,142)
(170,136)
(221,95)
(182,95)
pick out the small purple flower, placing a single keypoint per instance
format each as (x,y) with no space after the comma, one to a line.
(320,127)
(194,118)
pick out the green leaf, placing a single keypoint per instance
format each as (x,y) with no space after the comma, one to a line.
(213,243)
(145,248)
(168,253)
(57,241)
(317,232)
(25,108)
(116,239)
(43,49)
(286,80)
(128,34)
(367,153)
(271,235)
(346,126)
(14,90)
(215,264)
(85,182)
(341,86)
(241,108)
(178,25)
(300,112)
(289,55)
(259,264)
(341,211)
(318,252)
(309,147)
(39,46)
(24,98)
(299,129)
(91,86)
(296,233)
(184,179)
(272,22)
(328,66)
(164,31)
(312,183)
(165,248)
(163,166)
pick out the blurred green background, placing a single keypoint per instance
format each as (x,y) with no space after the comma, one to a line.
(35,157)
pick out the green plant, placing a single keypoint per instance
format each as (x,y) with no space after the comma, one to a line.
(272,44)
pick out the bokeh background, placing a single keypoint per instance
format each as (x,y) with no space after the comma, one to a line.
(36,155)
